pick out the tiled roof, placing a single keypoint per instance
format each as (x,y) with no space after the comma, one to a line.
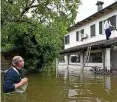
(97,14)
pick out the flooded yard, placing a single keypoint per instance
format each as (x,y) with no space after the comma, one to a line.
(70,86)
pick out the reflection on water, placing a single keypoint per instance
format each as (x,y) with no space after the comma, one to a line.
(15,97)
(67,86)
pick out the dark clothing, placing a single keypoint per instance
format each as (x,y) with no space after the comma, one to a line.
(108,33)
(11,77)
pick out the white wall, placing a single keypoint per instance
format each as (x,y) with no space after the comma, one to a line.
(86,28)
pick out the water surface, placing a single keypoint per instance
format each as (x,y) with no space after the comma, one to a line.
(67,86)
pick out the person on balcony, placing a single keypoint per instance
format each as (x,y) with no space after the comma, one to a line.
(107,26)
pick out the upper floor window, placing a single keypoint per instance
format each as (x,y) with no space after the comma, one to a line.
(82,33)
(77,36)
(92,29)
(112,21)
(100,27)
(67,38)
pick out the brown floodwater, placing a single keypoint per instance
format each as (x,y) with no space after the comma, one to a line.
(72,86)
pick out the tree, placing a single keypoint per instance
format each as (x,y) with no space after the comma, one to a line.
(39,36)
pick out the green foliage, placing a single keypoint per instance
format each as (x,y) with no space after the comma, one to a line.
(40,36)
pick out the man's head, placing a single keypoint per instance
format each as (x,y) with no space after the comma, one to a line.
(18,62)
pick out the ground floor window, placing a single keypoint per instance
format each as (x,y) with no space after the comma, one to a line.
(95,57)
(75,58)
(61,59)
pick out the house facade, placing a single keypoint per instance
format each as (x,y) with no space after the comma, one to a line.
(86,45)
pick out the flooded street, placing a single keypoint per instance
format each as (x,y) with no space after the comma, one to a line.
(67,86)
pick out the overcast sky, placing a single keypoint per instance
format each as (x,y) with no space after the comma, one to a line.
(89,7)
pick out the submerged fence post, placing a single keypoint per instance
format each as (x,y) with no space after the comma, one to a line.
(81,61)
(67,66)
(107,58)
(57,62)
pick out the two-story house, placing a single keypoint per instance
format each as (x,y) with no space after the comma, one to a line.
(86,44)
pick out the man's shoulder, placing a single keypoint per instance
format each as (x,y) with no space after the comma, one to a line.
(10,70)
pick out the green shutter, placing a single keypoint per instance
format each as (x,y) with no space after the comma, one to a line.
(65,39)
(114,21)
(77,36)
(68,39)
(92,28)
(100,27)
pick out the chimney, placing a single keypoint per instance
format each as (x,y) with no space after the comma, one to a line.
(99,5)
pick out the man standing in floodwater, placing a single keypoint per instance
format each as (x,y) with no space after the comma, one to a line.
(12,78)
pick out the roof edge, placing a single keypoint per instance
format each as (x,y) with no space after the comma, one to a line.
(90,17)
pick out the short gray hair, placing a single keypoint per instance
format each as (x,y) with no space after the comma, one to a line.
(16,60)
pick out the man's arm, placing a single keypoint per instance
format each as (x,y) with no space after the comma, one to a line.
(8,83)
(22,82)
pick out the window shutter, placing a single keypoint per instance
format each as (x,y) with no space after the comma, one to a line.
(114,21)
(65,39)
(100,27)
(82,33)
(92,28)
(77,36)
(68,39)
